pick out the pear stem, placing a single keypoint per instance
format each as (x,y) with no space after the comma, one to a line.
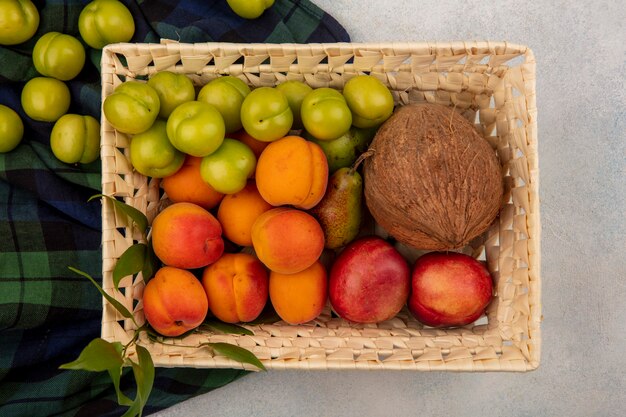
(360,159)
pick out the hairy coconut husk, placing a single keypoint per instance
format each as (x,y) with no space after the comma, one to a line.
(433,182)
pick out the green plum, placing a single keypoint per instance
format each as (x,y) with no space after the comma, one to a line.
(227,170)
(132,107)
(76,138)
(266,115)
(370,101)
(11,129)
(172,89)
(249,9)
(102,22)
(196,128)
(343,151)
(226,94)
(45,99)
(59,56)
(295,91)
(325,114)
(19,20)
(152,154)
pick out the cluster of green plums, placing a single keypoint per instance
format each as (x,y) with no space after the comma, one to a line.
(167,121)
(59,57)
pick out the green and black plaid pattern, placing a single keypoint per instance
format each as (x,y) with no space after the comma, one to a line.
(47,313)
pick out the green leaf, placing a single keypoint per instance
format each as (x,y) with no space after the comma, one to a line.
(98,356)
(220,326)
(118,306)
(151,263)
(144,378)
(138,217)
(115,375)
(130,263)
(236,353)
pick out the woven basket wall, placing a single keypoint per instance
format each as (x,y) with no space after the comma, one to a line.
(490,83)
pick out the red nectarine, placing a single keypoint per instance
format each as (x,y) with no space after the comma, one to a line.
(369,281)
(449,289)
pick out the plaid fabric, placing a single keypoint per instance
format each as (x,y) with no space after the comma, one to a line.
(47,313)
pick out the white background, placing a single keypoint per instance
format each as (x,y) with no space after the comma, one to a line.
(581,99)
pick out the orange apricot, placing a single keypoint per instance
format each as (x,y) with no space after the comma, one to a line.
(300,297)
(292,171)
(185,235)
(174,301)
(287,240)
(236,287)
(238,212)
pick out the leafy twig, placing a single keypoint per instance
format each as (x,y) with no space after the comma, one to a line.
(100,355)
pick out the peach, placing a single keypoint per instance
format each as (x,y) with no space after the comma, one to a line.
(292,171)
(187,185)
(287,240)
(174,301)
(185,235)
(300,297)
(238,212)
(449,289)
(369,281)
(236,287)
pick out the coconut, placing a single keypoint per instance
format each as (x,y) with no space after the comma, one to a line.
(432,181)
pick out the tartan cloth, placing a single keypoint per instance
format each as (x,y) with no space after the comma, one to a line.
(47,313)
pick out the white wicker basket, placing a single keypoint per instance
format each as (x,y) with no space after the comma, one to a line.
(490,83)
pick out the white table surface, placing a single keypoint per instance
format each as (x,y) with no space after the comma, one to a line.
(581,99)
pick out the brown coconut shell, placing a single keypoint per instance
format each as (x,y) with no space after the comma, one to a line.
(432,181)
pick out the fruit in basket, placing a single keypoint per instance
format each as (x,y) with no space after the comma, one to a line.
(237,287)
(196,128)
(300,297)
(174,301)
(11,129)
(340,211)
(172,89)
(184,235)
(152,154)
(45,99)
(369,281)
(295,91)
(59,56)
(249,9)
(292,171)
(75,138)
(287,240)
(266,115)
(446,184)
(102,22)
(343,151)
(369,100)
(228,168)
(449,289)
(226,94)
(238,212)
(132,107)
(19,20)
(325,114)
(187,185)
